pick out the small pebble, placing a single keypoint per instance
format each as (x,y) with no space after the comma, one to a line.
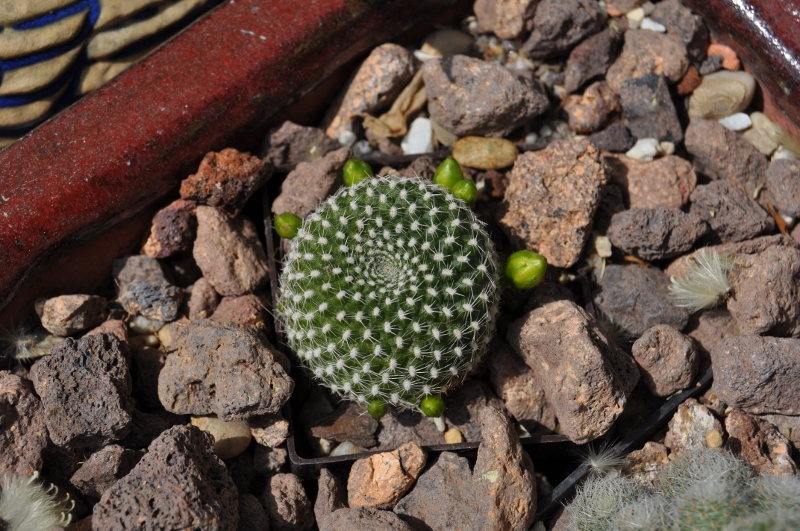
(144,326)
(530,138)
(453,436)
(361,148)
(230,438)
(650,24)
(714,439)
(419,138)
(347,139)
(645,150)
(648,8)
(667,148)
(346,448)
(635,17)
(736,122)
(783,153)
(721,94)
(765,125)
(148,340)
(485,153)
(447,42)
(730,61)
(545,131)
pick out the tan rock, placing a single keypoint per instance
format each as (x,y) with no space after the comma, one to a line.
(67,314)
(721,94)
(380,480)
(269,430)
(667,181)
(507,19)
(453,436)
(690,426)
(230,438)
(485,153)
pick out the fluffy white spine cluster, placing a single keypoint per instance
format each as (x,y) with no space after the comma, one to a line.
(390,291)
(705,282)
(26,505)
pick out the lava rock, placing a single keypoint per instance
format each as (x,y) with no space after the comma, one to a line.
(85,387)
(783,186)
(269,430)
(331,496)
(269,461)
(146,365)
(709,328)
(229,253)
(499,494)
(137,267)
(766,292)
(468,96)
(349,421)
(464,406)
(292,144)
(693,427)
(666,181)
(656,233)
(615,138)
(760,444)
(287,504)
(668,360)
(102,469)
(724,154)
(252,515)
(506,19)
(310,183)
(364,519)
(683,26)
(181,462)
(380,480)
(567,176)
(591,58)
(226,179)
(648,109)
(203,300)
(115,327)
(588,113)
(730,212)
(401,427)
(648,52)
(247,310)
(558,25)
(522,394)
(222,368)
(23,433)
(758,374)
(156,300)
(69,314)
(173,230)
(587,379)
(636,298)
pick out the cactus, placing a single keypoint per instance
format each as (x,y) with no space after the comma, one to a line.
(26,505)
(389,292)
(705,282)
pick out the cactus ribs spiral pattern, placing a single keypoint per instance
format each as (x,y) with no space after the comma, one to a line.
(390,291)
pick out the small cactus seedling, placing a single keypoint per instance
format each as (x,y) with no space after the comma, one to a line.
(389,293)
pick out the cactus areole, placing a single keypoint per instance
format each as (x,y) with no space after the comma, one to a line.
(390,291)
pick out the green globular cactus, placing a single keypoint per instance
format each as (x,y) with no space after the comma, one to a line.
(389,293)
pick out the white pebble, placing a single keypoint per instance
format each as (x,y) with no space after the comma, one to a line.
(346,448)
(635,17)
(650,24)
(530,138)
(361,148)
(783,153)
(644,150)
(545,131)
(347,138)
(736,122)
(419,139)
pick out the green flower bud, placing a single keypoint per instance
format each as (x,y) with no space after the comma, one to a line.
(432,406)
(287,225)
(376,408)
(356,170)
(466,191)
(526,269)
(448,173)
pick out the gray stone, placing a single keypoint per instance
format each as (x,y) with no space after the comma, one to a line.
(730,212)
(648,52)
(287,504)
(558,25)
(648,109)
(656,233)
(591,58)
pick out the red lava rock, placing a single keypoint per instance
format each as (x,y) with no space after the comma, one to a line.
(347,422)
(287,504)
(506,19)
(656,233)
(766,292)
(378,81)
(783,186)
(423,167)
(173,230)
(69,314)
(648,109)
(615,138)
(292,144)
(693,426)
(226,180)
(636,298)
(147,426)
(561,24)
(364,519)
(229,253)
(102,469)
(591,58)
(666,181)
(182,464)
(23,434)
(648,52)
(147,364)
(203,300)
(567,176)
(464,406)
(588,113)
(331,496)
(523,396)
(758,374)
(760,444)
(115,327)
(587,379)
(400,427)
(611,202)
(709,328)
(222,368)
(155,300)
(668,360)
(268,461)
(724,154)
(247,310)
(311,183)
(730,212)
(683,26)
(85,386)
(269,430)
(380,480)
(499,494)
(471,97)
(252,515)
(690,81)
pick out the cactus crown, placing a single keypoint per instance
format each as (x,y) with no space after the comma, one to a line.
(390,291)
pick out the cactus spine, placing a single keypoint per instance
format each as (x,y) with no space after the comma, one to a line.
(390,291)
